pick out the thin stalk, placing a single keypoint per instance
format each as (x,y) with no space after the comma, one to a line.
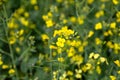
(50,59)
(7,37)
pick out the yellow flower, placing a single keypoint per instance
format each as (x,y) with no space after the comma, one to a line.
(98,69)
(26,14)
(81,49)
(33,2)
(21,32)
(102,59)
(78,73)
(98,41)
(59,1)
(11,71)
(49,23)
(96,56)
(73,19)
(80,20)
(1,62)
(17,49)
(91,33)
(112,77)
(70,73)
(90,1)
(52,47)
(93,55)
(113,25)
(71,52)
(77,59)
(12,40)
(117,62)
(5,66)
(61,59)
(44,37)
(99,14)
(115,2)
(60,42)
(98,26)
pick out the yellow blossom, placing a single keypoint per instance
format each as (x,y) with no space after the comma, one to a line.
(98,41)
(44,37)
(11,71)
(12,40)
(60,42)
(1,62)
(115,2)
(73,19)
(81,49)
(90,1)
(80,20)
(98,69)
(33,2)
(49,23)
(98,26)
(112,77)
(61,59)
(5,66)
(21,32)
(117,62)
(69,73)
(99,14)
(91,33)
(113,25)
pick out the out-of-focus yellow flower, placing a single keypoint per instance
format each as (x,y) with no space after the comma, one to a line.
(26,14)
(98,26)
(59,1)
(33,2)
(17,49)
(90,1)
(11,71)
(110,44)
(52,47)
(44,37)
(115,2)
(99,14)
(61,59)
(112,77)
(102,59)
(80,20)
(93,55)
(49,23)
(117,62)
(1,62)
(36,7)
(12,40)
(60,42)
(24,21)
(77,59)
(21,32)
(73,19)
(71,52)
(78,73)
(91,33)
(81,49)
(69,73)
(113,25)
(5,66)
(49,14)
(98,69)
(98,41)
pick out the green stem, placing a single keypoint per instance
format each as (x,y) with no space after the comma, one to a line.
(10,46)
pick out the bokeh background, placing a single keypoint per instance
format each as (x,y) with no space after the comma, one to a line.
(59,39)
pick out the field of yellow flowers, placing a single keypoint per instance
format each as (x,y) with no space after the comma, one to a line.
(59,39)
